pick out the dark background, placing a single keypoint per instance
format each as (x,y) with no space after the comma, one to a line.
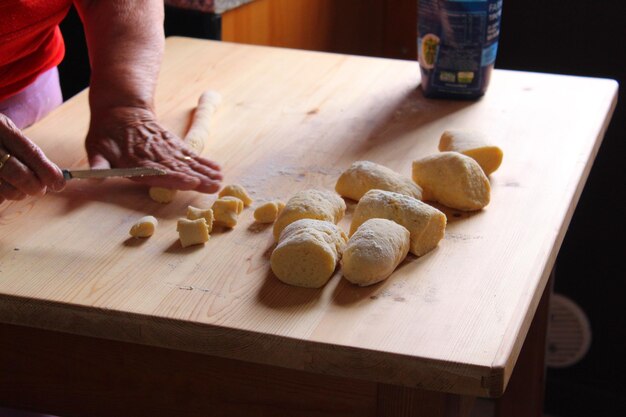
(577,38)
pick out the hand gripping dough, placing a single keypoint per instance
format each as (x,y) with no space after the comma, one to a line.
(310,204)
(452,179)
(363,176)
(426,224)
(268,212)
(144,227)
(194,213)
(374,251)
(307,253)
(236,190)
(226,210)
(192,232)
(474,144)
(195,137)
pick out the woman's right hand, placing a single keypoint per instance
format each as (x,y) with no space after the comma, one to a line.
(24,169)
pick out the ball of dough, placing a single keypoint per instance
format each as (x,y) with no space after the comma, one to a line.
(144,227)
(226,211)
(194,213)
(236,190)
(474,144)
(452,179)
(268,212)
(374,251)
(363,176)
(162,195)
(192,232)
(425,223)
(307,253)
(310,204)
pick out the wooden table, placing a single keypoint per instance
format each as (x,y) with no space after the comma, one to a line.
(95,323)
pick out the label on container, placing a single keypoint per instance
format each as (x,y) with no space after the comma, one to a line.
(457,44)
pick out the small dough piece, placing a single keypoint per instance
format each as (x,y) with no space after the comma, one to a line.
(374,251)
(310,204)
(195,137)
(226,211)
(236,190)
(425,223)
(194,213)
(454,180)
(192,232)
(268,212)
(363,176)
(308,252)
(162,195)
(474,144)
(144,227)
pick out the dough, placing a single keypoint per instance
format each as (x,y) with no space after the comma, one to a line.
(452,179)
(307,253)
(474,144)
(194,213)
(162,195)
(144,227)
(363,176)
(235,190)
(192,232)
(310,204)
(374,251)
(226,211)
(426,224)
(195,137)
(268,212)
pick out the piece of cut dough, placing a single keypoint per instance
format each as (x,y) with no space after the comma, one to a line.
(425,223)
(192,232)
(452,179)
(268,212)
(474,144)
(310,204)
(144,227)
(363,176)
(374,251)
(195,137)
(226,211)
(307,253)
(194,213)
(162,195)
(236,190)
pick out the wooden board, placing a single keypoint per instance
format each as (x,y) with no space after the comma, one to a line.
(453,320)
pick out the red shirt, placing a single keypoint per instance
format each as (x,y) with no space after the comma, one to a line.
(30,41)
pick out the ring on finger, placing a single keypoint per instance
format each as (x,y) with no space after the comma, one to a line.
(3,159)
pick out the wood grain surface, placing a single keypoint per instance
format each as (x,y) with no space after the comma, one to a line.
(453,320)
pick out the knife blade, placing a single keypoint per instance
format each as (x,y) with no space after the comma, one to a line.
(114,172)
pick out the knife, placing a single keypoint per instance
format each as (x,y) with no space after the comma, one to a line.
(115,172)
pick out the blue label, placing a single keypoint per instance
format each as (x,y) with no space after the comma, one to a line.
(457,43)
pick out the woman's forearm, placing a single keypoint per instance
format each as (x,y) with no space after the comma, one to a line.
(125,42)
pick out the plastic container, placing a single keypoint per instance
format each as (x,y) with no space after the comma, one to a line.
(457,43)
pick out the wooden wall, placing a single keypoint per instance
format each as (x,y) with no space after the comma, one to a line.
(385,28)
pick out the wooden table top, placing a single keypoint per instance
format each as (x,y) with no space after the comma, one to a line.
(453,320)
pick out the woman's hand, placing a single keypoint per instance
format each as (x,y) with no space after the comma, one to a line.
(131,137)
(24,169)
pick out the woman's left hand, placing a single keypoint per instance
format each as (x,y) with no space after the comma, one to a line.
(131,137)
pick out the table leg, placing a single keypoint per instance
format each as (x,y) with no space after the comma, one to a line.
(524,394)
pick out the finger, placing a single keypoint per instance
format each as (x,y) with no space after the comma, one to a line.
(21,177)
(98,161)
(206,171)
(8,192)
(30,154)
(172,179)
(207,162)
